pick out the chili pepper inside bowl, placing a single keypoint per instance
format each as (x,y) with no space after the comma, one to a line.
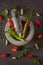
(27,39)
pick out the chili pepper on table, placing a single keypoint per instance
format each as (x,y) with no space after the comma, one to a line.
(4,55)
(36,46)
(36,61)
(38,23)
(1,18)
(21,11)
(30,56)
(39,36)
(15,48)
(14,34)
(6,42)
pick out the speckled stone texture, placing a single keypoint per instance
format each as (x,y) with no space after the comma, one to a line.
(28,5)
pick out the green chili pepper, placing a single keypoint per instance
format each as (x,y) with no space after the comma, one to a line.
(6,42)
(36,61)
(36,45)
(14,34)
(21,11)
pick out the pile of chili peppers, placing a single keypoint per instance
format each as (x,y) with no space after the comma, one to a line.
(25,50)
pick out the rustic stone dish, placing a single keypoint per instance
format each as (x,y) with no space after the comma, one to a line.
(28,38)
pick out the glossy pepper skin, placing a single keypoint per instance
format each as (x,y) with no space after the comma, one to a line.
(36,61)
(21,11)
(38,23)
(14,34)
(6,42)
(39,36)
(4,55)
(36,46)
(15,48)
(11,23)
(1,18)
(30,56)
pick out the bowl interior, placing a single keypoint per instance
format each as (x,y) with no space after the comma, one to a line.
(29,34)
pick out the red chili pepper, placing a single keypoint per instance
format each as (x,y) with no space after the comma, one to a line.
(4,55)
(39,36)
(1,18)
(11,23)
(15,48)
(38,23)
(30,56)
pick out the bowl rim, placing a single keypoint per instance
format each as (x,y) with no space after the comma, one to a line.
(27,40)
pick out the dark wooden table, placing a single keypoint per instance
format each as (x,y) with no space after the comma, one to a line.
(27,5)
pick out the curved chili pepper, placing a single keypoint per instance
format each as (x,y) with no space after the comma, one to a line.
(14,34)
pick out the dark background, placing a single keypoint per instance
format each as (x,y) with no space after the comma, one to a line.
(27,5)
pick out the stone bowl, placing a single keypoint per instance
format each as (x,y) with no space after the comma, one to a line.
(28,38)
